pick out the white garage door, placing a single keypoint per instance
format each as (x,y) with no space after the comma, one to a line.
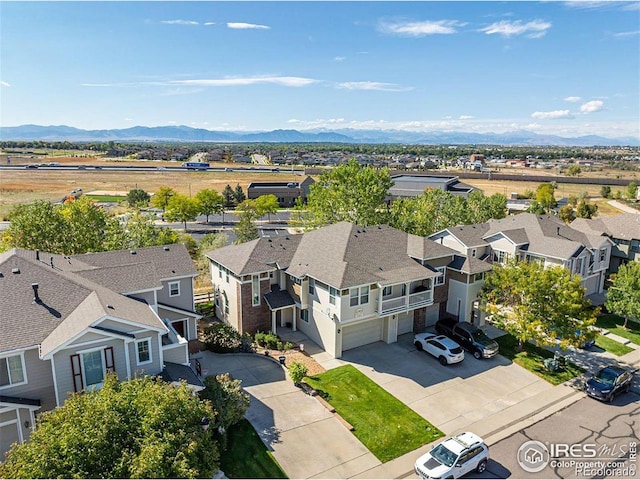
(433,312)
(361,334)
(405,323)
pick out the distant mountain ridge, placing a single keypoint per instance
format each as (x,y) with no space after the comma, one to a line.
(188,134)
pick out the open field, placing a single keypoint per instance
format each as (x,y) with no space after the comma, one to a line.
(21,186)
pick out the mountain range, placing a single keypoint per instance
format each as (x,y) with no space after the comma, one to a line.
(188,134)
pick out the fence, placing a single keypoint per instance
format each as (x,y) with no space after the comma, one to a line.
(203,297)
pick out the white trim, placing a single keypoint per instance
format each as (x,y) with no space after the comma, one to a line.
(116,335)
(138,341)
(8,406)
(170,286)
(25,380)
(127,357)
(18,350)
(179,277)
(129,322)
(195,315)
(55,381)
(83,370)
(146,290)
(20,435)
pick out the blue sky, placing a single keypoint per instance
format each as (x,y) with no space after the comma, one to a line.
(567,68)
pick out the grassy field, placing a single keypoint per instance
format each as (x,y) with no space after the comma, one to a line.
(614,323)
(385,425)
(246,456)
(612,346)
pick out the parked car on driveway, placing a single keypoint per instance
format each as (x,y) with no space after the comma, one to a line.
(609,382)
(469,336)
(443,348)
(454,457)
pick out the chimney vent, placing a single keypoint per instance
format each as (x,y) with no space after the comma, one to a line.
(36,297)
(132,252)
(37,254)
(51,262)
(557,230)
(166,249)
(15,270)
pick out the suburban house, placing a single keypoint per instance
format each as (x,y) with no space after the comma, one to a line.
(623,230)
(539,238)
(286,192)
(414,185)
(342,285)
(68,320)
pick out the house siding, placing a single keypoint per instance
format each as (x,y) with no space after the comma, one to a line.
(257,318)
(184,300)
(39,384)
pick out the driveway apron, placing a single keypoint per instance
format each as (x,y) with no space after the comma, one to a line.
(305,438)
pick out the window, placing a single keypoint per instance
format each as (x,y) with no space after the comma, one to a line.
(304,315)
(386,291)
(255,290)
(12,370)
(226,305)
(500,256)
(534,259)
(219,271)
(603,254)
(478,276)
(440,280)
(174,289)
(143,350)
(332,295)
(93,368)
(358,296)
(578,266)
(312,286)
(473,253)
(635,246)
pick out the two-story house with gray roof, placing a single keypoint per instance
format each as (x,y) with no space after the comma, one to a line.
(623,230)
(342,285)
(525,236)
(68,320)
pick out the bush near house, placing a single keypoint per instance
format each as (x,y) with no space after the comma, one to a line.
(223,338)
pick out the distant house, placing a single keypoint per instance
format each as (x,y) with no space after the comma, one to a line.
(414,185)
(286,192)
(342,285)
(68,320)
(623,230)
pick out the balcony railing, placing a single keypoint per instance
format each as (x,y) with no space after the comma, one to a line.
(406,302)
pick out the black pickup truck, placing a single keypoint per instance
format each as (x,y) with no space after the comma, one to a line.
(469,336)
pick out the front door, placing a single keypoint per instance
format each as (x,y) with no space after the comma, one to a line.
(179,328)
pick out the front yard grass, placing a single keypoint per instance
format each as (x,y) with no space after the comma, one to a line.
(246,456)
(385,425)
(612,346)
(614,323)
(532,358)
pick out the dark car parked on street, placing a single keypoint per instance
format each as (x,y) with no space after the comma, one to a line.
(609,382)
(468,336)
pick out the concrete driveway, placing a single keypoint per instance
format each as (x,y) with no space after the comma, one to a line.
(304,437)
(451,397)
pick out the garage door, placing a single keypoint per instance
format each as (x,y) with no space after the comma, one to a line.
(405,323)
(432,315)
(361,334)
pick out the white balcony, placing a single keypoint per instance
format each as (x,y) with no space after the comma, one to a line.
(405,303)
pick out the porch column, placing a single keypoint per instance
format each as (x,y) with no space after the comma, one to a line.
(273,321)
(407,295)
(295,319)
(380,291)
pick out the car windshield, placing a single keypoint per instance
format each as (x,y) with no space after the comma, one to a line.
(606,376)
(480,336)
(456,350)
(443,455)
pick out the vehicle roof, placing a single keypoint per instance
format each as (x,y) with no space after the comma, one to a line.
(462,441)
(446,341)
(614,368)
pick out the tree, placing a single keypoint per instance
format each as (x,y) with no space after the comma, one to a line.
(545,196)
(86,224)
(566,214)
(37,226)
(586,209)
(623,297)
(266,205)
(246,229)
(632,191)
(238,195)
(182,209)
(209,242)
(573,170)
(137,197)
(162,196)
(481,208)
(605,191)
(210,202)
(139,231)
(537,303)
(349,193)
(141,428)
(227,195)
(230,400)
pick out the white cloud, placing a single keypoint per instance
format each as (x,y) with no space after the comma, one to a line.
(626,34)
(554,115)
(420,29)
(379,86)
(533,29)
(208,24)
(466,117)
(572,99)
(241,81)
(180,22)
(592,106)
(587,4)
(339,59)
(246,26)
(5,84)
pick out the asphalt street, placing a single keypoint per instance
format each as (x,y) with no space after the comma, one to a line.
(588,439)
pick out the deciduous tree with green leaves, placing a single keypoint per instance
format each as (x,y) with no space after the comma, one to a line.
(537,303)
(141,428)
(182,209)
(210,202)
(266,205)
(246,228)
(230,400)
(161,198)
(137,197)
(623,297)
(632,191)
(349,192)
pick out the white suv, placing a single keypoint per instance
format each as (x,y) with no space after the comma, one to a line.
(454,457)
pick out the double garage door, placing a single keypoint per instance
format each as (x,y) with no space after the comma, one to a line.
(361,334)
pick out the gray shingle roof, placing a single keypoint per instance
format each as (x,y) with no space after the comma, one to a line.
(470,235)
(425,249)
(625,226)
(469,265)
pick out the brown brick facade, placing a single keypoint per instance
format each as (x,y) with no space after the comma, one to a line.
(253,319)
(419,319)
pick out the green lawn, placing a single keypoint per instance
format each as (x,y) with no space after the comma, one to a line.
(614,323)
(385,425)
(107,198)
(532,357)
(612,346)
(246,456)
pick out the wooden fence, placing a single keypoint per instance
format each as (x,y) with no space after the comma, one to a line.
(203,297)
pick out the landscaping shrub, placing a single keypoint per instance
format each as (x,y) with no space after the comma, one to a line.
(297,371)
(271,340)
(259,338)
(222,338)
(206,309)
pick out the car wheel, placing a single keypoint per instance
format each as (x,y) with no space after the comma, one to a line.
(627,388)
(443,361)
(609,398)
(477,354)
(418,346)
(482,466)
